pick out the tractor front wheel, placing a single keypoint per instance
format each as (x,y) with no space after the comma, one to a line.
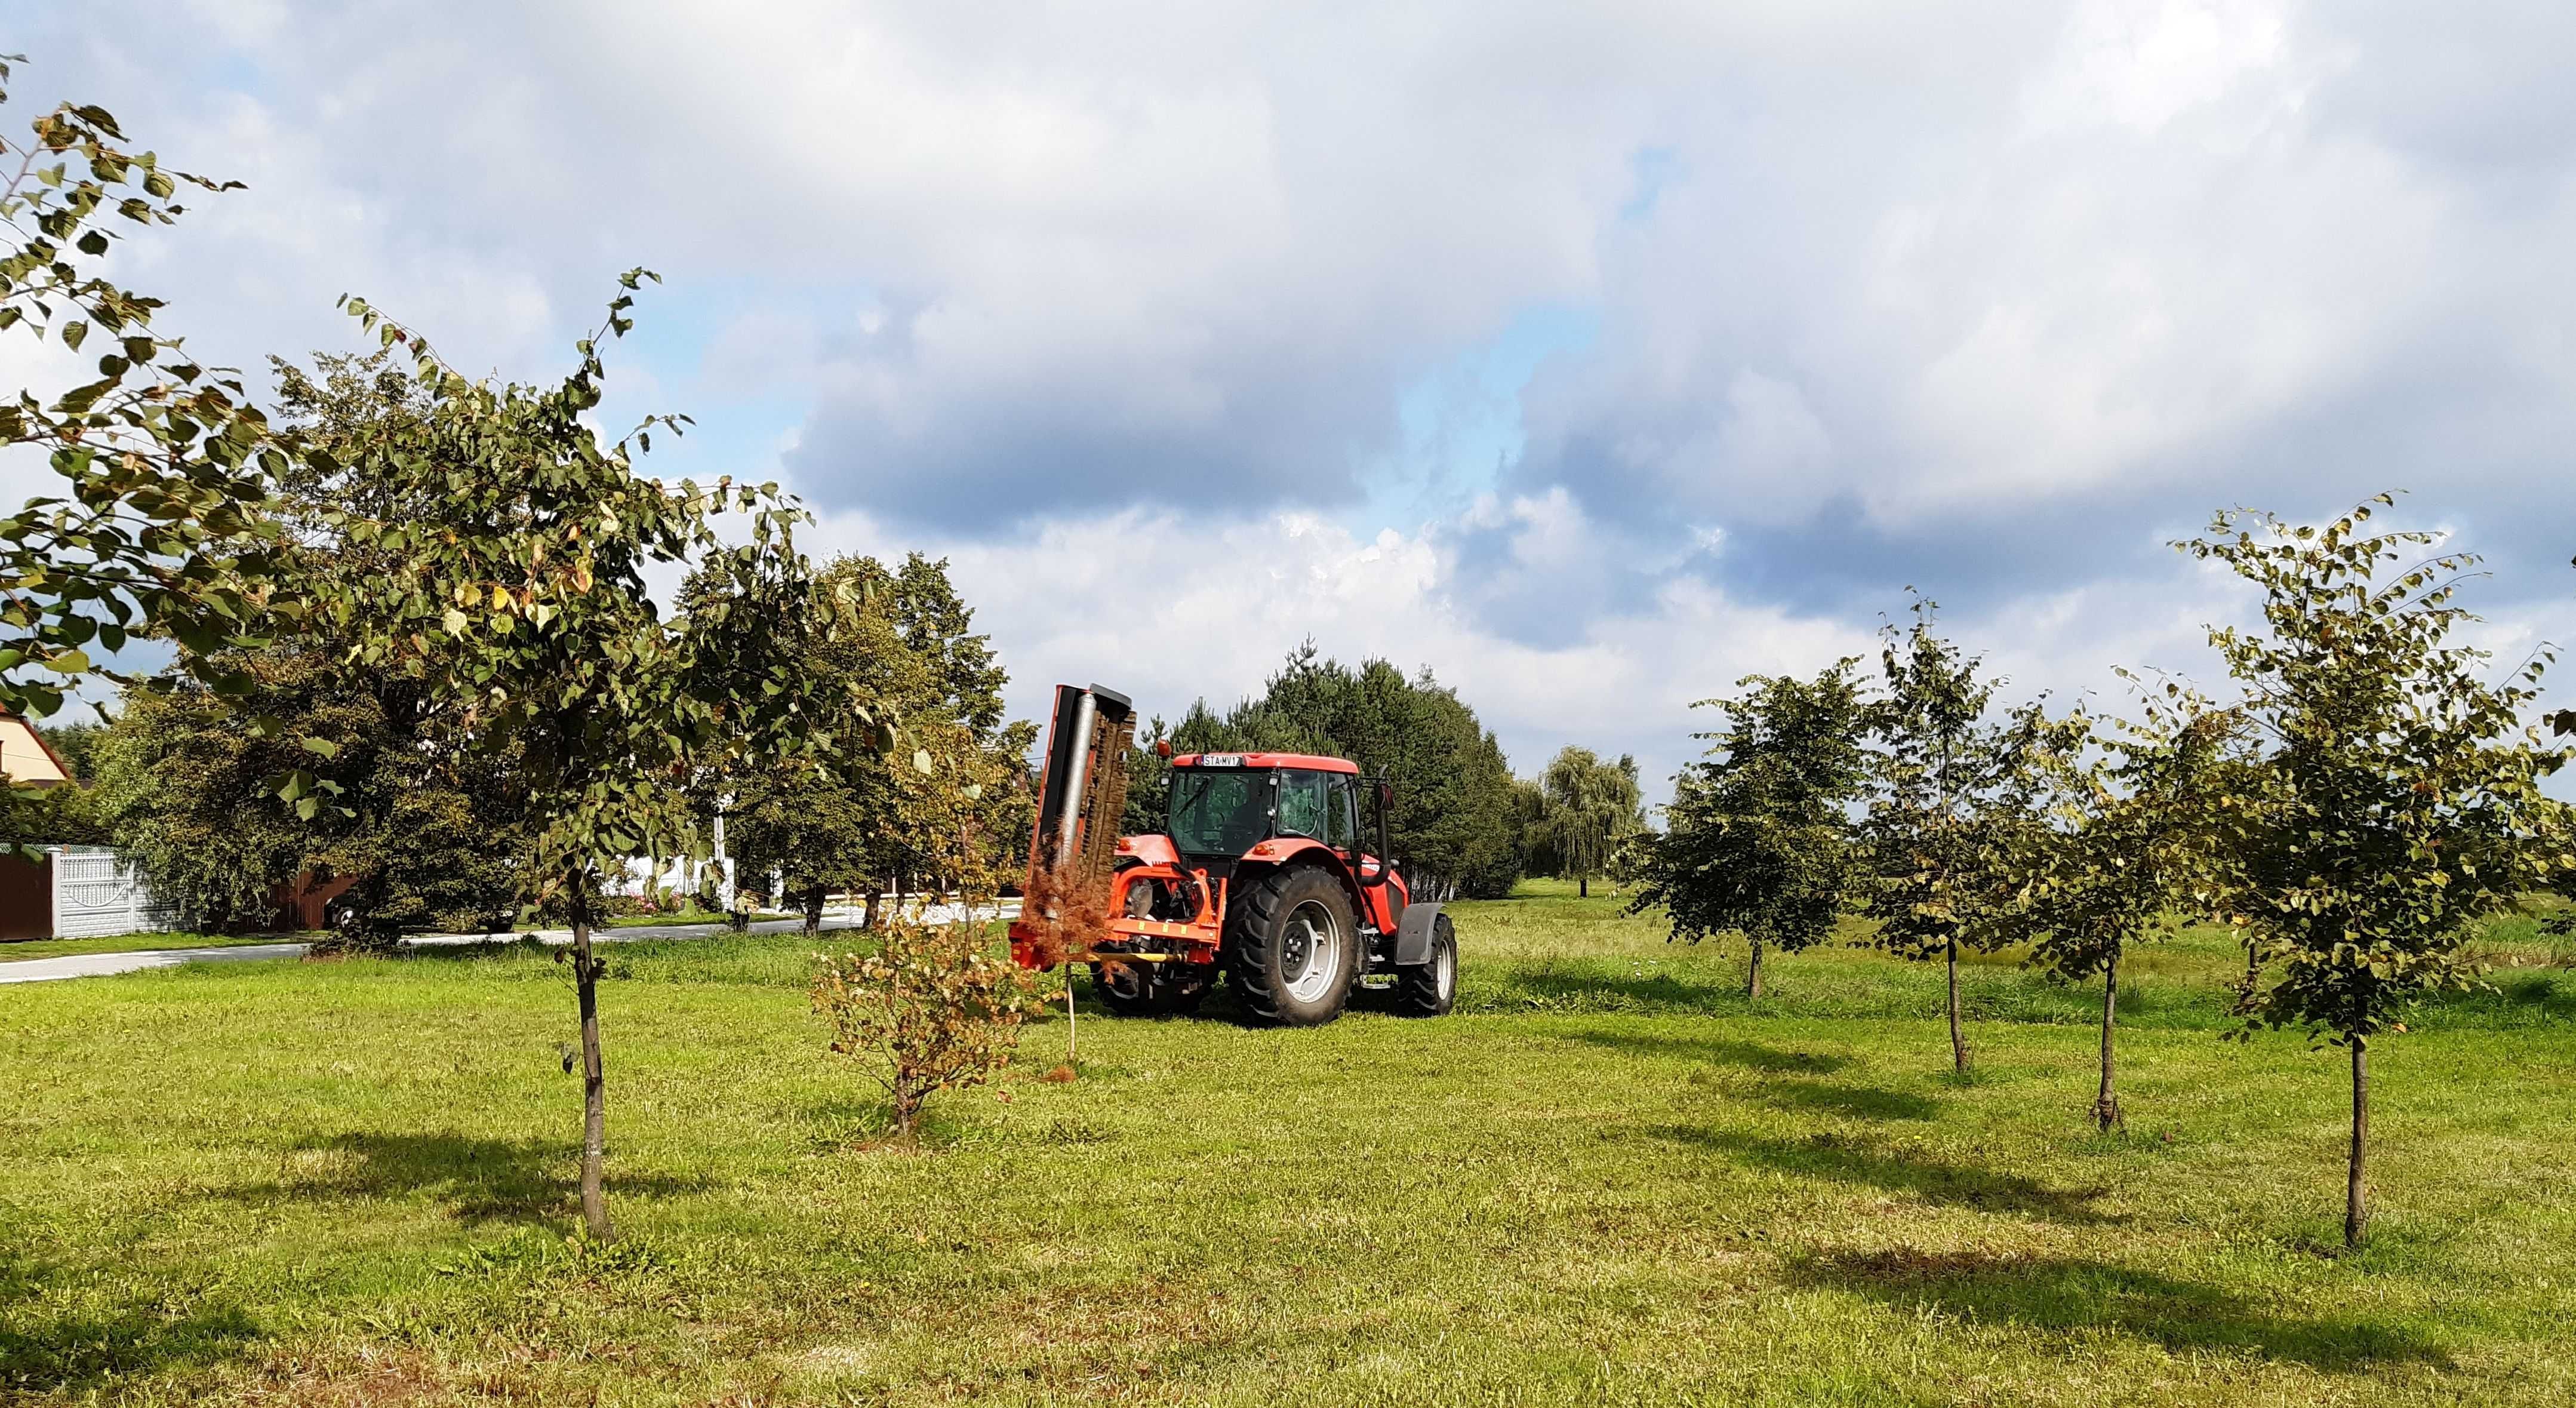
(1295,950)
(1430,988)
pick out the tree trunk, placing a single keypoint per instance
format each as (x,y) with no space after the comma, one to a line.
(1583,887)
(1753,975)
(1958,1036)
(594,1080)
(1068,1014)
(813,912)
(876,905)
(2106,1106)
(2356,1203)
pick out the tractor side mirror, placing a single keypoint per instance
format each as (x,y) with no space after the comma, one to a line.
(1385,796)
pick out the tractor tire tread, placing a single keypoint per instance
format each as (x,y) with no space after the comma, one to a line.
(1417,986)
(1255,926)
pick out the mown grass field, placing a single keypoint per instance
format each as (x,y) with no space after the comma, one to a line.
(1606,1180)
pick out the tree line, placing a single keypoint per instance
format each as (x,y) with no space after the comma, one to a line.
(2373,793)
(1462,826)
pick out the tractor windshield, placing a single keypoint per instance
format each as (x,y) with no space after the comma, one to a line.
(1219,811)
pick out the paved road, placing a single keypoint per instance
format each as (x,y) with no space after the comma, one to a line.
(99,965)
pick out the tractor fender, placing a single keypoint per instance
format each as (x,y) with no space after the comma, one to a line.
(1413,933)
(1284,851)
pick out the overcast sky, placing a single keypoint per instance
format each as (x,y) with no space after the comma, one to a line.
(1591,356)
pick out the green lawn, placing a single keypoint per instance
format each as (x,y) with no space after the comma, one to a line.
(17,950)
(1607,1179)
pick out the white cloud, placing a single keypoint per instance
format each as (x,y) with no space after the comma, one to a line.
(1989,298)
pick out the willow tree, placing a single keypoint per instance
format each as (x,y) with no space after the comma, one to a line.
(513,586)
(1592,806)
(2141,811)
(1759,837)
(2401,802)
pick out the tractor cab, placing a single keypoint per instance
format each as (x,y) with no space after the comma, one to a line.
(1222,805)
(1271,871)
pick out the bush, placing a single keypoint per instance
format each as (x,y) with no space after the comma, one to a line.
(933,1009)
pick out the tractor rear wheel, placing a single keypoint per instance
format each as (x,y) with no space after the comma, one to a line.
(1295,949)
(1430,988)
(1145,990)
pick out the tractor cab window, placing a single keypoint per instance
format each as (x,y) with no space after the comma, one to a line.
(1305,799)
(1219,811)
(1342,823)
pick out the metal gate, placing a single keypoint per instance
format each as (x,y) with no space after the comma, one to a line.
(97,895)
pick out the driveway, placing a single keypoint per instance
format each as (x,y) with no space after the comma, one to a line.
(100,965)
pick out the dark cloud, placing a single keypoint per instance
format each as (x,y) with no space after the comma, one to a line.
(911,438)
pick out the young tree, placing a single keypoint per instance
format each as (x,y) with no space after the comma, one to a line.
(2403,798)
(935,1007)
(1952,801)
(160,526)
(514,590)
(1760,839)
(1592,806)
(2137,843)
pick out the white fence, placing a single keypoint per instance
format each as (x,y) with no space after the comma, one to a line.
(96,895)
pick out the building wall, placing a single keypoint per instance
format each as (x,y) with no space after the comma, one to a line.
(24,758)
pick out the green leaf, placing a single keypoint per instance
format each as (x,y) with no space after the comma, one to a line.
(75,333)
(323,746)
(921,760)
(70,662)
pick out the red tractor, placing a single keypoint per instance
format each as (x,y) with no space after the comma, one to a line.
(1259,874)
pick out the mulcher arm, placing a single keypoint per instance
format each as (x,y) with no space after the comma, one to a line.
(1082,793)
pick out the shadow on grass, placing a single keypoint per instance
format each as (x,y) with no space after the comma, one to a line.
(1866,1102)
(1825,1097)
(2513,996)
(476,1180)
(1930,1179)
(50,1346)
(1721,1051)
(495,946)
(1576,990)
(2073,1294)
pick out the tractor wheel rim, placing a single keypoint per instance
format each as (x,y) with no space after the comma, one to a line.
(1444,972)
(1310,952)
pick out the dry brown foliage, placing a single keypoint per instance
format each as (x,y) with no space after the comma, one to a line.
(933,1009)
(1067,915)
